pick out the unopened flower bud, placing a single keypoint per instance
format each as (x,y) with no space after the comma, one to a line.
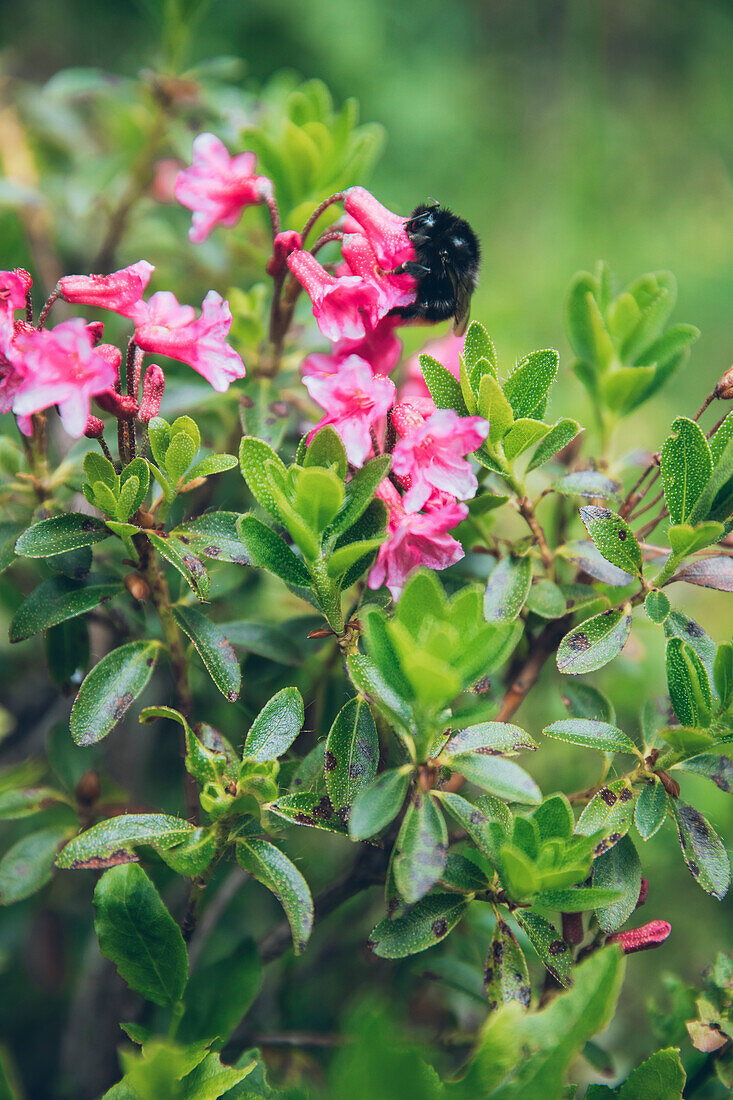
(96,331)
(121,405)
(109,352)
(153,387)
(405,418)
(284,243)
(724,388)
(642,939)
(88,788)
(25,278)
(137,586)
(94,427)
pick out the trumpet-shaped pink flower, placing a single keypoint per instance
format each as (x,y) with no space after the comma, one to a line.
(415,538)
(345,307)
(217,187)
(379,347)
(164,327)
(14,286)
(384,230)
(355,401)
(60,367)
(121,292)
(432,453)
(393,290)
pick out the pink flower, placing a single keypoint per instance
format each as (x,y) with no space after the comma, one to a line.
(415,538)
(218,187)
(164,327)
(384,230)
(284,243)
(120,292)
(447,350)
(344,307)
(641,939)
(393,290)
(60,367)
(355,401)
(379,347)
(13,288)
(432,453)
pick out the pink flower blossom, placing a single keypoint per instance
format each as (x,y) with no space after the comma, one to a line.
(384,230)
(60,367)
(218,187)
(447,350)
(355,401)
(415,538)
(120,292)
(432,456)
(164,327)
(379,347)
(393,290)
(344,307)
(13,288)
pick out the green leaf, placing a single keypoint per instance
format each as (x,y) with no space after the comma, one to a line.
(444,389)
(101,845)
(269,551)
(274,870)
(559,436)
(686,466)
(506,977)
(139,469)
(551,948)
(478,819)
(478,345)
(109,690)
(590,734)
(585,701)
(254,457)
(498,776)
(587,331)
(523,434)
(276,726)
(326,449)
(212,464)
(26,802)
(651,809)
(723,674)
(194,854)
(352,754)
(703,850)
(27,866)
(58,599)
(138,934)
(507,589)
(688,684)
(546,600)
(179,456)
(59,534)
(159,432)
(214,649)
(98,468)
(657,606)
(339,561)
(611,812)
(595,642)
(421,848)
(376,805)
(577,899)
(618,869)
(306,808)
(587,483)
(319,495)
(613,537)
(215,535)
(370,680)
(491,739)
(527,386)
(427,923)
(685,539)
(187,564)
(494,407)
(272,641)
(219,992)
(9,533)
(360,492)
(661,1077)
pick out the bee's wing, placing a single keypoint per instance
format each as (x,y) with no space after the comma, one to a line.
(463,305)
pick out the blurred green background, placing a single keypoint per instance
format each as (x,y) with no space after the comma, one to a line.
(565,131)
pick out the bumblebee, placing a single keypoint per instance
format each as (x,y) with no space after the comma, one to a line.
(446,265)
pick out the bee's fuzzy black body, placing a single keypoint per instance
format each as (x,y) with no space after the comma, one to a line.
(446,265)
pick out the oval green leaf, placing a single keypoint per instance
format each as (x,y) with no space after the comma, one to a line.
(214,649)
(352,754)
(109,690)
(595,642)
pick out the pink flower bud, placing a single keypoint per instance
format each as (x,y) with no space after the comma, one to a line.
(406,418)
(121,405)
(285,243)
(641,939)
(96,331)
(153,387)
(94,427)
(25,278)
(110,354)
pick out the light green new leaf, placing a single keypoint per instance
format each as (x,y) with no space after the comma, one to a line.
(686,466)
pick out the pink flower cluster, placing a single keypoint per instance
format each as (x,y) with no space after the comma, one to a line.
(67,366)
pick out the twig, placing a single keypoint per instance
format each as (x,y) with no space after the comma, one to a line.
(527,511)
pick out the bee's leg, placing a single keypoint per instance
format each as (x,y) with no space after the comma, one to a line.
(409,268)
(407,313)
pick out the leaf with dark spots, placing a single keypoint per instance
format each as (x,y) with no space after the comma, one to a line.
(214,649)
(310,809)
(551,948)
(491,737)
(590,734)
(188,565)
(610,812)
(506,977)
(719,769)
(595,642)
(425,924)
(59,599)
(716,572)
(613,537)
(109,690)
(59,534)
(618,869)
(703,850)
(215,535)
(108,838)
(352,753)
(421,848)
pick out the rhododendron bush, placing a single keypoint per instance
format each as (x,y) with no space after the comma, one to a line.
(325,576)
